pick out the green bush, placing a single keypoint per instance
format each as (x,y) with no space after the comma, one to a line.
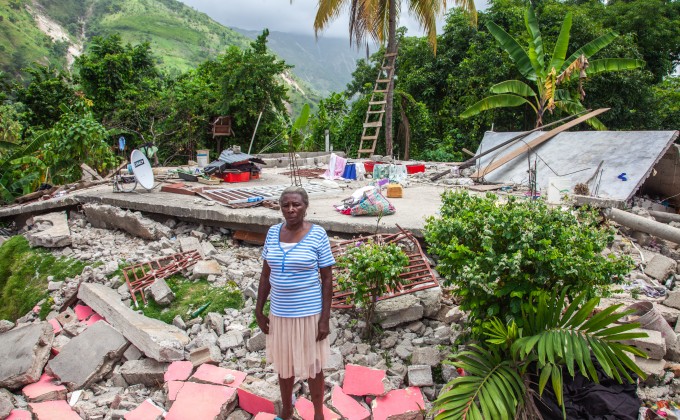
(372,269)
(495,255)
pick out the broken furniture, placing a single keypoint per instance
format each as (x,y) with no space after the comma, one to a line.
(417,276)
(234,166)
(141,276)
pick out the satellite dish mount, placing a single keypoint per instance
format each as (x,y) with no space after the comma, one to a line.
(141,169)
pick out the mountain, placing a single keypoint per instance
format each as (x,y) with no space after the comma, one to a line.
(326,64)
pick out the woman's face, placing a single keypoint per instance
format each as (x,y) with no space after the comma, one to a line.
(293,208)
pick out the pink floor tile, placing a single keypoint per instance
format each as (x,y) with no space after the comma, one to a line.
(200,401)
(55,325)
(19,415)
(398,402)
(178,371)
(44,389)
(145,411)
(94,318)
(173,389)
(254,404)
(53,410)
(264,416)
(83,312)
(216,375)
(348,406)
(361,380)
(305,409)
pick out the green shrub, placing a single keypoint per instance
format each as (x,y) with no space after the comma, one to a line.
(495,255)
(372,269)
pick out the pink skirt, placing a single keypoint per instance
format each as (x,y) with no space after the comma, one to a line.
(292,348)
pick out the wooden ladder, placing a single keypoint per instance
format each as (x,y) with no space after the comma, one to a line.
(376,105)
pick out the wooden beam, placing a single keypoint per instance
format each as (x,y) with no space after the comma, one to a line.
(536,142)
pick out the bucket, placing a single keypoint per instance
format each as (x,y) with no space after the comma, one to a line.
(557,188)
(651,319)
(202,157)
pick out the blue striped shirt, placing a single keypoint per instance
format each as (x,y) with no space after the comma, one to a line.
(295,286)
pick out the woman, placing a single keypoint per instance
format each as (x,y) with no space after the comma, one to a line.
(296,254)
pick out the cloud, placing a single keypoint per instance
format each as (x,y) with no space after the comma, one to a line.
(281,15)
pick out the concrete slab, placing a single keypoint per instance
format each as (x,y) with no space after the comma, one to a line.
(178,371)
(259,396)
(24,352)
(398,310)
(202,401)
(88,356)
(50,231)
(53,410)
(361,380)
(112,217)
(210,374)
(156,339)
(305,410)
(147,410)
(399,404)
(347,406)
(44,390)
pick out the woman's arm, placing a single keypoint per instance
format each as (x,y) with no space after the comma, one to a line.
(263,290)
(326,297)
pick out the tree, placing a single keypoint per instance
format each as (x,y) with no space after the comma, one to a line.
(49,88)
(377,19)
(549,77)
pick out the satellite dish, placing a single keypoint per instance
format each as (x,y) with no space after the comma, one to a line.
(142,169)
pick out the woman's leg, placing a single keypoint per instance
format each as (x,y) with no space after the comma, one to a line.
(286,387)
(316,388)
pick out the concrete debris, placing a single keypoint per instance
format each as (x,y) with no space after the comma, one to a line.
(420,375)
(257,342)
(50,231)
(661,267)
(230,340)
(430,300)
(156,339)
(259,396)
(429,356)
(24,352)
(6,403)
(205,268)
(66,317)
(398,310)
(104,216)
(206,354)
(45,389)
(132,353)
(161,292)
(5,325)
(145,371)
(215,322)
(190,243)
(654,345)
(88,357)
(148,410)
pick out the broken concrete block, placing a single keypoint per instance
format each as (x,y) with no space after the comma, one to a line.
(58,343)
(104,216)
(208,249)
(206,354)
(204,268)
(24,352)
(426,356)
(44,390)
(420,375)
(66,317)
(202,401)
(651,367)
(83,312)
(156,339)
(132,353)
(259,396)
(335,361)
(50,231)
(51,410)
(361,380)
(398,310)
(178,371)
(230,340)
(671,315)
(305,410)
(399,404)
(147,410)
(6,325)
(209,374)
(215,322)
(88,357)
(673,299)
(6,403)
(431,301)
(347,406)
(239,414)
(145,371)
(161,293)
(661,267)
(654,345)
(189,243)
(257,342)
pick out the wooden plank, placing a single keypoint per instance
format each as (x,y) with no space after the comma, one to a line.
(536,142)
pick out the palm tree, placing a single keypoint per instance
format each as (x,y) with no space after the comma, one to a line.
(548,77)
(377,19)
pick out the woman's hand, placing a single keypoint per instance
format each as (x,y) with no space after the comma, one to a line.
(323,329)
(262,322)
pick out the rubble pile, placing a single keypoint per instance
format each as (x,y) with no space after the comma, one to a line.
(97,358)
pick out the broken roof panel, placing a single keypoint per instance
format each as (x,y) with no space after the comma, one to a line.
(577,155)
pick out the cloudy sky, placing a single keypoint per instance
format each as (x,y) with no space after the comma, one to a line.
(281,15)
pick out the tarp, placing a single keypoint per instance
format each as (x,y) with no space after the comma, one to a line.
(576,155)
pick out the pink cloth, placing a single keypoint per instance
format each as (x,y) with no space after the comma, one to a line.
(336,167)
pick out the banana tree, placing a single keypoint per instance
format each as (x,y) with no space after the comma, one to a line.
(549,77)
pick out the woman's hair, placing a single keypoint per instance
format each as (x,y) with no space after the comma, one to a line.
(293,189)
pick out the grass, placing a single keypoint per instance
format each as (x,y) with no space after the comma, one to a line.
(23,277)
(191,295)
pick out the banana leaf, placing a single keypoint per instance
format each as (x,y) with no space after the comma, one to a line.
(513,86)
(496,101)
(512,47)
(590,48)
(613,64)
(562,44)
